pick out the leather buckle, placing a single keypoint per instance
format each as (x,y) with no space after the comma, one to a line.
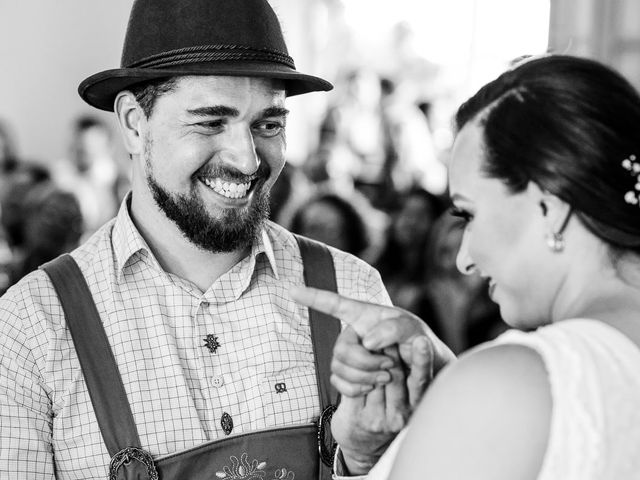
(124,457)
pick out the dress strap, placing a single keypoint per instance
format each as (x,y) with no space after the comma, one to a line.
(98,365)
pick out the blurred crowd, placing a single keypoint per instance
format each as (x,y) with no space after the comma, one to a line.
(48,207)
(374,185)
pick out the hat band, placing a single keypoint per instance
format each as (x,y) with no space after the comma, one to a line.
(211,53)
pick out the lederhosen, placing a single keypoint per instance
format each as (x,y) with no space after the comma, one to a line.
(302,452)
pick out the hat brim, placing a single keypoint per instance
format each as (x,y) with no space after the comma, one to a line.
(100,90)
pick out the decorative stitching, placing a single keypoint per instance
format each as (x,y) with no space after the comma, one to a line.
(243,470)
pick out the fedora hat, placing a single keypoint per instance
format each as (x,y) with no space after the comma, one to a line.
(167,38)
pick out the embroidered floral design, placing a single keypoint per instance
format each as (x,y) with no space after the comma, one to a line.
(243,470)
(211,342)
(284,474)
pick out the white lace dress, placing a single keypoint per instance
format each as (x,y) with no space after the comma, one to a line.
(594,372)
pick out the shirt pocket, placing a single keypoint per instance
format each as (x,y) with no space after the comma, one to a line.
(290,398)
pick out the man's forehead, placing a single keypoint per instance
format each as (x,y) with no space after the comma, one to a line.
(272,85)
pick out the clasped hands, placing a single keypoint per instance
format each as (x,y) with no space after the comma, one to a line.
(383,361)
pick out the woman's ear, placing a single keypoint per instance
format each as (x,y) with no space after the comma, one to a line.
(555,212)
(131,119)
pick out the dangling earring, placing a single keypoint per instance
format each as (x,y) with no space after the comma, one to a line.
(555,240)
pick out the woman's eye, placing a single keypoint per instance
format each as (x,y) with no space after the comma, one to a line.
(463,214)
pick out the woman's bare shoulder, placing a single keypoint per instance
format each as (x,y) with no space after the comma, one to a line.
(486,416)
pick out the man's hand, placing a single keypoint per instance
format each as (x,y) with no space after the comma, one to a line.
(364,425)
(383,361)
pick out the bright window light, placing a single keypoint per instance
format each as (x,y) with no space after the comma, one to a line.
(473,39)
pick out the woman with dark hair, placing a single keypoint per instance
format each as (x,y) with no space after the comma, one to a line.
(545,171)
(457,307)
(330,218)
(402,259)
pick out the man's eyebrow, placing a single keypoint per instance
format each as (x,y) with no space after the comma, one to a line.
(215,111)
(275,112)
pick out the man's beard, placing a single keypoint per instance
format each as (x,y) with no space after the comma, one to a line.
(234,229)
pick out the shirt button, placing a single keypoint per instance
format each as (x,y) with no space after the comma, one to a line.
(226,422)
(217,381)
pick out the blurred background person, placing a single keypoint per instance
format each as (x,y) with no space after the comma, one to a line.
(8,153)
(376,139)
(52,225)
(91,172)
(401,261)
(40,221)
(457,307)
(411,159)
(352,137)
(333,219)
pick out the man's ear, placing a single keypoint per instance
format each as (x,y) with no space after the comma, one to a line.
(131,119)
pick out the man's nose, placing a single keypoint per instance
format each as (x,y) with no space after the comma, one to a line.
(239,150)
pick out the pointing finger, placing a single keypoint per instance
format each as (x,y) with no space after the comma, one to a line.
(362,316)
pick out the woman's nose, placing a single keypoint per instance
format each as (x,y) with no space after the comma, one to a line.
(463,259)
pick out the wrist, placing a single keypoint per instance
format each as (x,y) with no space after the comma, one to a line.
(356,463)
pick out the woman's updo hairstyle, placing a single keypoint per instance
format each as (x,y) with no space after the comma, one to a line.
(567,124)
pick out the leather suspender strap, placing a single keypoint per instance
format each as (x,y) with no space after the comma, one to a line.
(103,379)
(319,272)
(99,367)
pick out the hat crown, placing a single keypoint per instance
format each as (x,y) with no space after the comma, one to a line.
(168,38)
(165,29)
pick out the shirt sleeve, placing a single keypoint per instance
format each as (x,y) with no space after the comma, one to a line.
(339,469)
(359,280)
(25,410)
(380,471)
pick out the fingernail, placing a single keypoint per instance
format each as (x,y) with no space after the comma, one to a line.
(366,388)
(371,344)
(384,377)
(386,364)
(423,344)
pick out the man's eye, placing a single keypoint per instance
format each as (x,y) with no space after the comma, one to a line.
(211,124)
(269,129)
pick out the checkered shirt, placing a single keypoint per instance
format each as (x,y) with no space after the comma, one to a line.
(157,323)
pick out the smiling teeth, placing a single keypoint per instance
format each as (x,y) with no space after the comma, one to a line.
(228,189)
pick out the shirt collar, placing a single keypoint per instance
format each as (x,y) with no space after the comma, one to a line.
(264,245)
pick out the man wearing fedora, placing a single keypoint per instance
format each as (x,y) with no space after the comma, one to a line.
(168,346)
